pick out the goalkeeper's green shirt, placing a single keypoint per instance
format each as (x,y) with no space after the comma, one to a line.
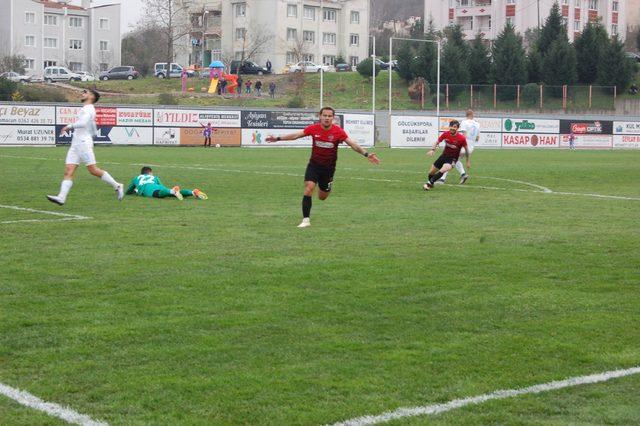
(144,185)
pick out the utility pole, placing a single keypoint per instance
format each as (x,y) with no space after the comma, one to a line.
(538,1)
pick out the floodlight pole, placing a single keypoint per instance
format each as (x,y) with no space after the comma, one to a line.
(439,45)
(204,37)
(321,38)
(373,77)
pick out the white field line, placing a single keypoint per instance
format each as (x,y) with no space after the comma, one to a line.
(61,216)
(500,394)
(539,189)
(54,410)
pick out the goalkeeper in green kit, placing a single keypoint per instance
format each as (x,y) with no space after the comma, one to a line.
(148,185)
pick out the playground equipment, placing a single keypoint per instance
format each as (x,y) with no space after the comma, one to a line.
(216,71)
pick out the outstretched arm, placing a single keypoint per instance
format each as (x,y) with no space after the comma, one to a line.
(289,137)
(433,149)
(360,150)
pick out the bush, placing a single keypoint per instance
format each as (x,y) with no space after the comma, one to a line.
(530,94)
(40,94)
(7,88)
(365,68)
(167,99)
(296,102)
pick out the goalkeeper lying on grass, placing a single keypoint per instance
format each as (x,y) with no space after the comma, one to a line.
(148,185)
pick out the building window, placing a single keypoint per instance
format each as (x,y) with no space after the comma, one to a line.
(309,12)
(565,22)
(30,41)
(511,1)
(576,25)
(75,66)
(103,24)
(30,64)
(354,61)
(51,20)
(292,11)
(240,33)
(291,57)
(75,44)
(29,18)
(50,64)
(565,2)
(75,22)
(355,17)
(593,4)
(309,36)
(614,6)
(329,15)
(241,9)
(104,45)
(292,34)
(354,40)
(614,29)
(308,57)
(577,3)
(329,38)
(329,60)
(51,43)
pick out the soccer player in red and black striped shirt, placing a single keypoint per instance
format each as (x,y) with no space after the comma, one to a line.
(326,138)
(454,143)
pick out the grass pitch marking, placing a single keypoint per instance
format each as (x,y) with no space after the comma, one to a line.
(54,410)
(500,394)
(60,217)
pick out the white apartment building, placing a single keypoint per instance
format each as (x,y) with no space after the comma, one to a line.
(48,33)
(490,16)
(289,31)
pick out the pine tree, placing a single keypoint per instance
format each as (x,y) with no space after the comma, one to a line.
(479,61)
(590,46)
(405,62)
(425,64)
(553,29)
(559,65)
(534,65)
(615,69)
(455,61)
(509,65)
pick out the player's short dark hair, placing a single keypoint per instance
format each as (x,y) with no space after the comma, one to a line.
(96,95)
(454,123)
(327,109)
(145,170)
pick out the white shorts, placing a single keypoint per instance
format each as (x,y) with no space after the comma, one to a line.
(464,150)
(81,154)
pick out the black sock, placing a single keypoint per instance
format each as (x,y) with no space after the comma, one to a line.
(429,177)
(306,206)
(435,177)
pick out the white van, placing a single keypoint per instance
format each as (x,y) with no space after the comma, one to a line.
(52,74)
(160,70)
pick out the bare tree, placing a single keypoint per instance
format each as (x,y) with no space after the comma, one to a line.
(171,18)
(254,41)
(299,47)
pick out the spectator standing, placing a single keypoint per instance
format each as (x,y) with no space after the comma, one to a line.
(240,86)
(247,86)
(272,90)
(258,87)
(269,65)
(572,141)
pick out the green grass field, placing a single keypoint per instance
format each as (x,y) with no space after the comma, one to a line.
(223,312)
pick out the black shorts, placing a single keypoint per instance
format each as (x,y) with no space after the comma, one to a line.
(321,175)
(444,159)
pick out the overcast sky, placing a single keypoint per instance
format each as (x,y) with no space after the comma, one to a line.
(131,11)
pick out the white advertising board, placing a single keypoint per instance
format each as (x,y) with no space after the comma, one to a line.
(530,125)
(257,138)
(361,128)
(530,140)
(27,135)
(131,135)
(25,114)
(626,141)
(196,118)
(166,136)
(413,131)
(626,127)
(588,141)
(489,140)
(134,117)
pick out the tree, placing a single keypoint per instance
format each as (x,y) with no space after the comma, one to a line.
(509,66)
(534,66)
(254,39)
(170,17)
(417,30)
(7,89)
(13,63)
(365,68)
(143,47)
(638,40)
(425,63)
(405,61)
(479,61)
(615,69)
(590,46)
(299,48)
(553,29)
(455,56)
(559,64)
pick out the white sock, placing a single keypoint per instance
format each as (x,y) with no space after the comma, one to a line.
(106,177)
(460,168)
(444,176)
(65,187)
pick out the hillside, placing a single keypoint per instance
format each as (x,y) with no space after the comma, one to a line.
(386,10)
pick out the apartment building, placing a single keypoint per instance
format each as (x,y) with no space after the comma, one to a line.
(490,16)
(282,31)
(48,33)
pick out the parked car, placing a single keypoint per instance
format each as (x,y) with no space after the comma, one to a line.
(52,74)
(247,67)
(120,73)
(343,67)
(634,56)
(15,77)
(307,66)
(160,70)
(85,76)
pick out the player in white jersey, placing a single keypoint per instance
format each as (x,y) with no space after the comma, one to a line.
(471,129)
(81,150)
